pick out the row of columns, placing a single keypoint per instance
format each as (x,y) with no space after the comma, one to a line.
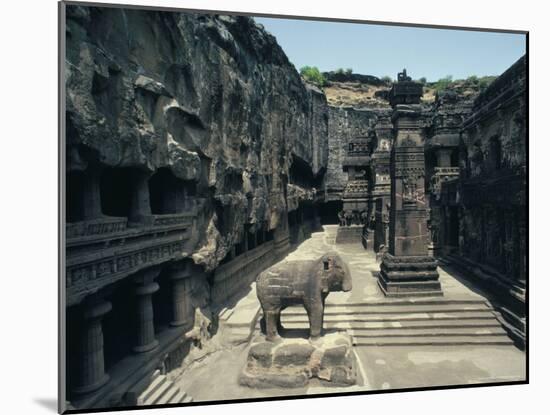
(90,195)
(140,203)
(91,374)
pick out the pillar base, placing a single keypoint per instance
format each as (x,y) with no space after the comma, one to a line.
(83,390)
(147,347)
(409,276)
(434,250)
(180,323)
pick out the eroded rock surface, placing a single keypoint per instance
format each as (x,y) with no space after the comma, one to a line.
(293,362)
(211,98)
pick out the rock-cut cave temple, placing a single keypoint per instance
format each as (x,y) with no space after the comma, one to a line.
(196,157)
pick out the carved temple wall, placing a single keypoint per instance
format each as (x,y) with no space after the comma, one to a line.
(182,173)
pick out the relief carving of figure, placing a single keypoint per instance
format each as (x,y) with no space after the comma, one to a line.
(364,217)
(342,218)
(356,218)
(349,217)
(410,192)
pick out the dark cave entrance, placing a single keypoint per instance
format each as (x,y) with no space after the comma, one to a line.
(329,212)
(116,187)
(74,203)
(166,192)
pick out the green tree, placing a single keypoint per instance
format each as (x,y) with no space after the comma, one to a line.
(423,80)
(386,79)
(313,75)
(349,71)
(473,79)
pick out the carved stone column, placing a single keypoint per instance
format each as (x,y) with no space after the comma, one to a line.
(145,327)
(182,307)
(140,205)
(91,203)
(91,374)
(406,269)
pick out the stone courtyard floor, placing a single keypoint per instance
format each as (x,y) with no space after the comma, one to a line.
(380,367)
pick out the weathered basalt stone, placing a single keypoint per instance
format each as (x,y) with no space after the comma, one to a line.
(293,362)
(212,98)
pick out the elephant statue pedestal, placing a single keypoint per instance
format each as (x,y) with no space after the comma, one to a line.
(291,363)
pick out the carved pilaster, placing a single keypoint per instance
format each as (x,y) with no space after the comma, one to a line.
(141,205)
(91,204)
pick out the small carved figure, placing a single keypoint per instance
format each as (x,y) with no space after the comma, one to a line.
(349,217)
(342,218)
(356,218)
(410,193)
(364,217)
(306,282)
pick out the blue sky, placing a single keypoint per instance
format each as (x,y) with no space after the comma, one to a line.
(385,50)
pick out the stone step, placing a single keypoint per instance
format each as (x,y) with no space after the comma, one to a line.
(414,324)
(464,315)
(159,392)
(180,396)
(445,332)
(169,395)
(157,382)
(402,309)
(433,340)
(404,301)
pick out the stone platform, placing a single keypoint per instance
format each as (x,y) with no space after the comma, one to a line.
(291,363)
(349,234)
(409,276)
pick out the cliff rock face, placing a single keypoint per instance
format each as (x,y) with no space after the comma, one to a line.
(213,99)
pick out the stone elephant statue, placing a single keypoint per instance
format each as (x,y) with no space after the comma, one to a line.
(306,282)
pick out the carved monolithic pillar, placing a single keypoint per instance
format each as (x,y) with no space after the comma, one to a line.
(145,329)
(407,270)
(91,362)
(182,307)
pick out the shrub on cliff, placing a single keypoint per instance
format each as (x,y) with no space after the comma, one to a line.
(443,83)
(313,75)
(485,81)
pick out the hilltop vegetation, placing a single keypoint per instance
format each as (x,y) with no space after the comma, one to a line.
(342,87)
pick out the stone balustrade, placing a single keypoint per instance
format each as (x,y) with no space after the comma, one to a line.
(237,274)
(96,227)
(94,261)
